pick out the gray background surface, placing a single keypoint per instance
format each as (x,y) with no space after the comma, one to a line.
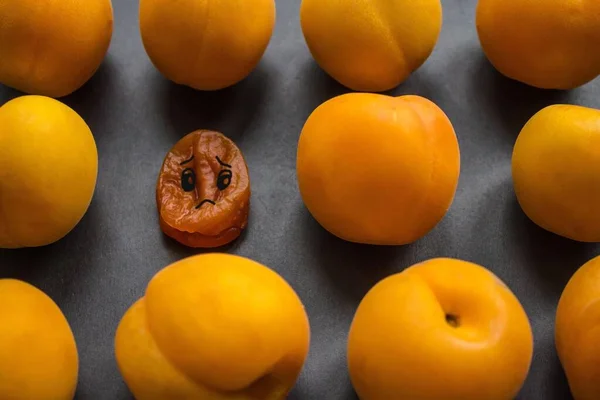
(103,266)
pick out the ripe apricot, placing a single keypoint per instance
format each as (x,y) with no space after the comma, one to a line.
(38,354)
(52,48)
(203,190)
(550,44)
(48,170)
(441,329)
(207,45)
(378,169)
(555,169)
(214,326)
(371,45)
(577,329)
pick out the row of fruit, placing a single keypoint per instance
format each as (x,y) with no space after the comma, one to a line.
(249,335)
(390,187)
(366,45)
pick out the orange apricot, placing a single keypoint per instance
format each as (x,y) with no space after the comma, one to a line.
(378,169)
(441,329)
(214,327)
(577,329)
(203,191)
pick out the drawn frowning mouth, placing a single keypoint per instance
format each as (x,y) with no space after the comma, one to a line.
(205,201)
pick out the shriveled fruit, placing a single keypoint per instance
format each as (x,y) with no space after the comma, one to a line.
(203,190)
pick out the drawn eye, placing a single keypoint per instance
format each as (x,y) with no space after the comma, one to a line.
(224,179)
(188,180)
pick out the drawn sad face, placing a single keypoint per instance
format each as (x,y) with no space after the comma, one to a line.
(203,191)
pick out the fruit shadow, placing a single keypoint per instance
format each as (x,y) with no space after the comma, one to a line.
(179,251)
(352,268)
(317,85)
(87,100)
(549,382)
(7,94)
(121,393)
(536,265)
(233,111)
(299,393)
(554,258)
(508,102)
(320,87)
(59,268)
(91,100)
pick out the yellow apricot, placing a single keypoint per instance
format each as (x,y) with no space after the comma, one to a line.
(38,354)
(206,44)
(52,47)
(371,45)
(214,326)
(48,171)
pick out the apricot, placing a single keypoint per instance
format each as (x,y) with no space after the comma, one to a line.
(207,45)
(378,169)
(371,45)
(441,329)
(48,170)
(555,167)
(38,354)
(577,329)
(52,48)
(550,44)
(214,326)
(203,191)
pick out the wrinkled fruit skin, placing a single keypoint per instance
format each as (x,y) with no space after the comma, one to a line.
(371,45)
(52,47)
(206,44)
(38,354)
(577,330)
(555,167)
(214,327)
(377,169)
(48,171)
(203,191)
(442,329)
(550,44)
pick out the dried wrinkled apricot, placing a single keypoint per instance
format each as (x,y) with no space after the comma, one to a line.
(203,191)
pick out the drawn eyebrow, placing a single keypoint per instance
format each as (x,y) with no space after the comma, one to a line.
(222,163)
(205,201)
(188,160)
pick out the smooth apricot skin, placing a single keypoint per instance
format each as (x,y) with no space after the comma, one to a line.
(401,345)
(555,170)
(48,171)
(550,44)
(216,327)
(577,331)
(377,169)
(371,45)
(53,47)
(38,353)
(206,44)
